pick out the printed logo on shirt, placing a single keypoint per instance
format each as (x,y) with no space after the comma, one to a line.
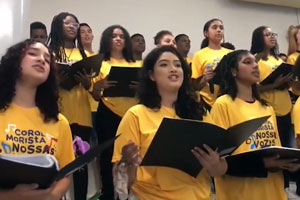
(18,141)
(264,136)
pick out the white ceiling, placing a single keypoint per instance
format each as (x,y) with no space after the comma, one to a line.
(289,3)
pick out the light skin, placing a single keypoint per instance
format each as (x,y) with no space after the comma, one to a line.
(298,39)
(35,70)
(215,35)
(247,75)
(87,37)
(39,35)
(270,42)
(168,76)
(167,40)
(184,45)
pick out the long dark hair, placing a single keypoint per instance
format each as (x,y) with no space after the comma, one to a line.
(10,71)
(56,37)
(258,46)
(228,84)
(105,43)
(205,41)
(186,105)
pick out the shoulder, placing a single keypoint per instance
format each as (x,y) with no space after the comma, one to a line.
(224,99)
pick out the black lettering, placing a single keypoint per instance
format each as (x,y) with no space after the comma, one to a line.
(30,149)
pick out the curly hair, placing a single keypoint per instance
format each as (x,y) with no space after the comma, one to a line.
(105,43)
(258,45)
(10,71)
(228,84)
(186,105)
(56,38)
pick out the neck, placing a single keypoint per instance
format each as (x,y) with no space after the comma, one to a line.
(25,95)
(214,45)
(137,56)
(88,48)
(184,54)
(116,54)
(168,99)
(244,92)
(298,47)
(69,44)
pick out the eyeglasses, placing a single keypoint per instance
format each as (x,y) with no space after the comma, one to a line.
(269,34)
(74,24)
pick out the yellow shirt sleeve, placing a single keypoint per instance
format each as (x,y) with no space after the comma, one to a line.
(65,144)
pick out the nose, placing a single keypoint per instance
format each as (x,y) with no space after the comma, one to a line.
(41,59)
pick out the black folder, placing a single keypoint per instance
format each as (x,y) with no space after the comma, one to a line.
(172,144)
(123,76)
(283,69)
(30,169)
(282,152)
(91,65)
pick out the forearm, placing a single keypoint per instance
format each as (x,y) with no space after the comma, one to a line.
(265,88)
(199,83)
(132,170)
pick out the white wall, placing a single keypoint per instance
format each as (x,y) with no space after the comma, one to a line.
(179,16)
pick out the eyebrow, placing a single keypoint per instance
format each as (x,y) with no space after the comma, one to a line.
(37,49)
(166,60)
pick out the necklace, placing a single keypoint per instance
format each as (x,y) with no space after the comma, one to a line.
(68,57)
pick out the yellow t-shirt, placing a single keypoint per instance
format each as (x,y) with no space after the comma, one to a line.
(227,113)
(201,60)
(74,104)
(92,101)
(118,105)
(189,60)
(278,99)
(296,117)
(25,133)
(292,58)
(139,125)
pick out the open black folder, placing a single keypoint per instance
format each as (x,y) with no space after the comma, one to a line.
(91,65)
(124,76)
(283,69)
(172,144)
(282,152)
(41,169)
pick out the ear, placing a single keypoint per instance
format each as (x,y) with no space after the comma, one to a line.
(151,77)
(205,33)
(233,72)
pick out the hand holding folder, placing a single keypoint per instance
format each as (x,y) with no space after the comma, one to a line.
(126,78)
(91,65)
(172,144)
(41,169)
(281,71)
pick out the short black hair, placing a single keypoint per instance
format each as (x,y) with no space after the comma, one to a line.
(84,24)
(37,25)
(136,35)
(177,38)
(228,45)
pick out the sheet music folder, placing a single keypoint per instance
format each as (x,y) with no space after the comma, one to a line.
(283,69)
(172,144)
(41,169)
(123,76)
(282,152)
(91,65)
